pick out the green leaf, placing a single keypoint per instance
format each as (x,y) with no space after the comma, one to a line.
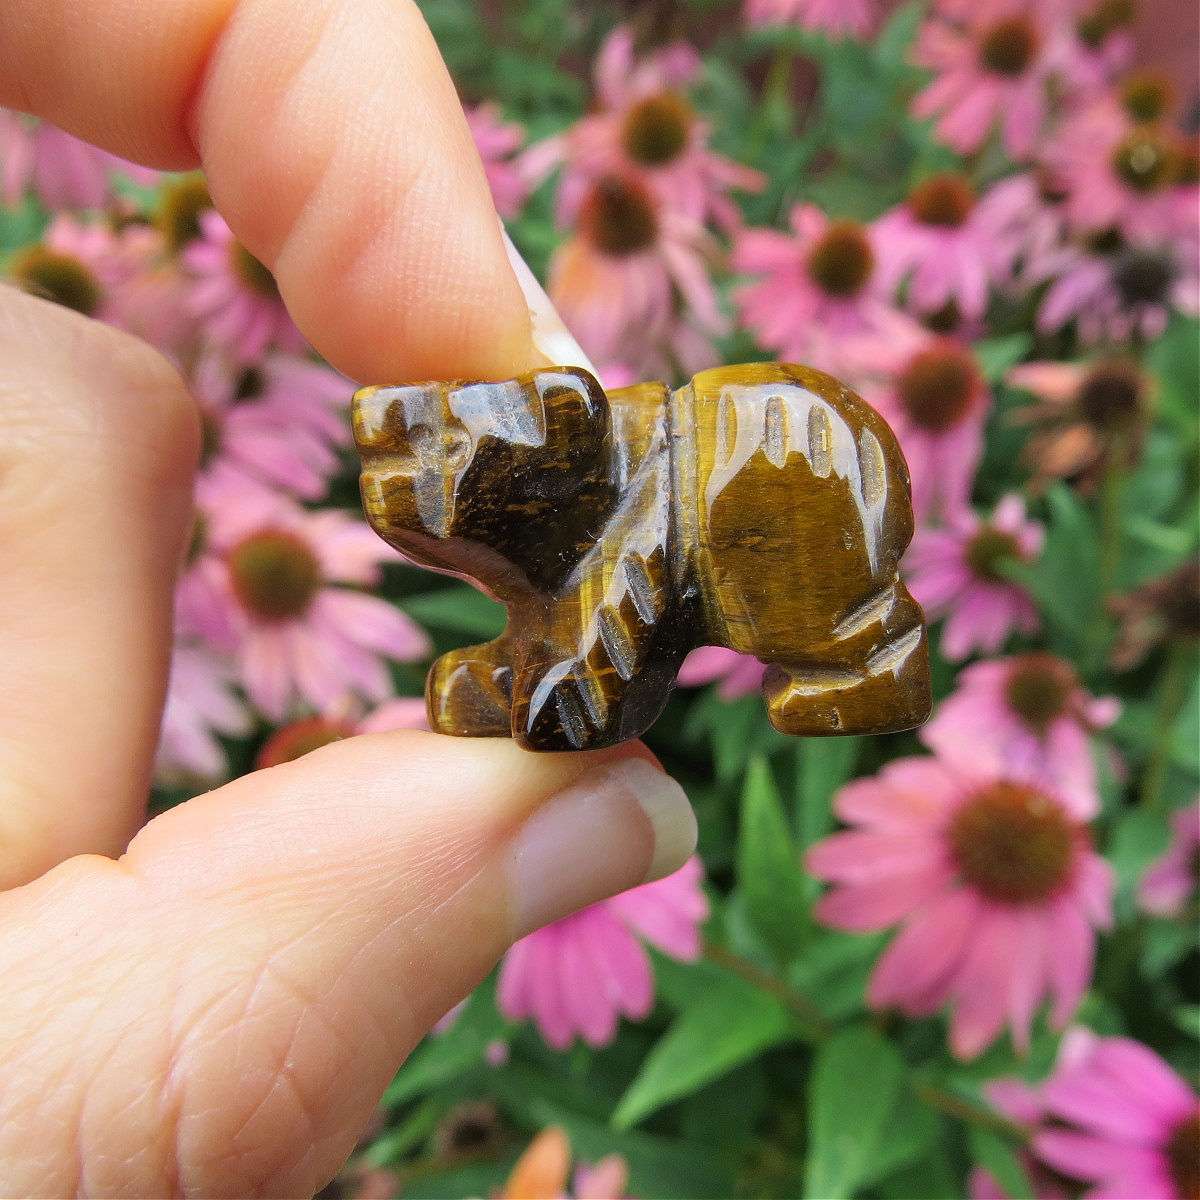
(823,765)
(1187,1017)
(399,1140)
(1138,837)
(998,355)
(733,728)
(854,1092)
(1065,580)
(999,1157)
(729,1022)
(1185,742)
(461,609)
(892,45)
(1175,360)
(834,969)
(933,1177)
(769,878)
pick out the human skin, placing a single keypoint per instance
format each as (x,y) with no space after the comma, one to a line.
(216,1011)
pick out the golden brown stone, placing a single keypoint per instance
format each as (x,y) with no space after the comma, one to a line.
(762,507)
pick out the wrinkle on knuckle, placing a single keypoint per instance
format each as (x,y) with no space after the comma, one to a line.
(269,1031)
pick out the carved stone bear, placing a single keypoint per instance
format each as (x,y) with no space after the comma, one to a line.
(761,507)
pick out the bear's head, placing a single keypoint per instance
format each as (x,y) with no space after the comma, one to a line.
(506,483)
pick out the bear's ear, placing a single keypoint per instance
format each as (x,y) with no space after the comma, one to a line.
(383,416)
(573,404)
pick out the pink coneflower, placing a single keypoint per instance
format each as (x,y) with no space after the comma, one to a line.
(1027,221)
(1114,1115)
(822,300)
(276,423)
(1087,53)
(578,975)
(735,674)
(955,572)
(633,275)
(199,705)
(498,141)
(990,69)
(87,267)
(1088,416)
(266,586)
(936,401)
(942,242)
(647,130)
(1022,1105)
(1123,168)
(1027,714)
(1161,611)
(996,884)
(838,18)
(63,171)
(1115,289)
(234,295)
(1171,882)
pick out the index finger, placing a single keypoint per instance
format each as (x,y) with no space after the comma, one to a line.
(334,145)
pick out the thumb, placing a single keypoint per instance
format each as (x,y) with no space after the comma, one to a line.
(218,1012)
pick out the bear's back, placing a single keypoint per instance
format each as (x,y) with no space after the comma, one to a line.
(792,503)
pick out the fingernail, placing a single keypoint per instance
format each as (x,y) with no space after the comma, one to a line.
(616,826)
(550,335)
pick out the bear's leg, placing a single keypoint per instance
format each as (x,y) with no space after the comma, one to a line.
(884,690)
(469,691)
(611,688)
(574,706)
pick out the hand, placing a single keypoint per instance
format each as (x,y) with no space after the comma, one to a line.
(217,1011)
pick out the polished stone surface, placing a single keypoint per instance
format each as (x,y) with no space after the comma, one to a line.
(762,507)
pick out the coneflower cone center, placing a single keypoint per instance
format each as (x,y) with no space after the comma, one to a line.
(1144,160)
(988,550)
(1110,397)
(1143,276)
(1039,689)
(1007,47)
(179,208)
(300,738)
(60,277)
(251,384)
(938,385)
(1012,843)
(470,1129)
(657,129)
(1183,1158)
(253,273)
(619,218)
(1180,602)
(1096,26)
(1147,95)
(210,435)
(944,200)
(841,261)
(275,574)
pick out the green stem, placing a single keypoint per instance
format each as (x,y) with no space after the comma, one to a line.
(1171,696)
(964,1110)
(799,1004)
(776,94)
(1110,518)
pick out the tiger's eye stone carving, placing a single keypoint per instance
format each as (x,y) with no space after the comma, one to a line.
(761,507)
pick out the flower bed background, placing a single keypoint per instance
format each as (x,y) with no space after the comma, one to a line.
(912,966)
